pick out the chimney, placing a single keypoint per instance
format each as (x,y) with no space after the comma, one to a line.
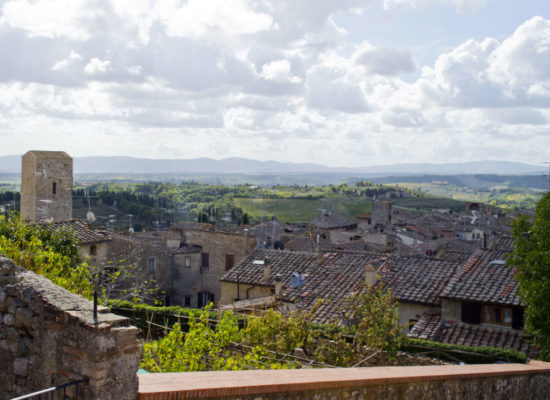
(370,275)
(267,269)
(278,285)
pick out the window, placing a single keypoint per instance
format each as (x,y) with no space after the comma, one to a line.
(187,301)
(229,261)
(54,188)
(205,261)
(497,315)
(93,250)
(204,298)
(187,262)
(471,313)
(151,264)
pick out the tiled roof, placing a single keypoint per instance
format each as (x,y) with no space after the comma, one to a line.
(433,327)
(300,243)
(188,249)
(356,245)
(485,278)
(282,262)
(329,275)
(79,230)
(417,279)
(332,277)
(452,255)
(336,221)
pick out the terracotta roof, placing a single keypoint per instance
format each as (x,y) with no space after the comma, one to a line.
(336,221)
(79,230)
(452,255)
(485,278)
(251,269)
(356,245)
(188,249)
(300,243)
(417,279)
(433,327)
(332,277)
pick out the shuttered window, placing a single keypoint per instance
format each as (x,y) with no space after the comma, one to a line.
(229,261)
(471,313)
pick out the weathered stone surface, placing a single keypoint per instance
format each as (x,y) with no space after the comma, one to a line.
(20,366)
(46,329)
(8,319)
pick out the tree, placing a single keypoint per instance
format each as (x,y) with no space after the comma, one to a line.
(246,219)
(54,255)
(532,259)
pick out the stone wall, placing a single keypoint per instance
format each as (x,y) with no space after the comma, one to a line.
(484,381)
(217,245)
(40,172)
(48,337)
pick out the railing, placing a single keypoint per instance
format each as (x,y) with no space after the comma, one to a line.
(54,392)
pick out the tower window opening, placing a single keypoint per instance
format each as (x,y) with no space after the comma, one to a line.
(54,188)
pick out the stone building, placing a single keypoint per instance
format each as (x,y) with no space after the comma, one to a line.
(381,214)
(46,186)
(206,255)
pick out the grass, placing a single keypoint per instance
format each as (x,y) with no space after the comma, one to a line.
(292,210)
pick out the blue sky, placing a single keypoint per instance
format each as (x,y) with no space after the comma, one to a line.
(338,83)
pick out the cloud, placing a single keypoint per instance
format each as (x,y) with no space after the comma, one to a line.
(279,71)
(97,66)
(384,60)
(461,6)
(50,18)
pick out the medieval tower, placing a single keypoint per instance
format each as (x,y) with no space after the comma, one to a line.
(46,186)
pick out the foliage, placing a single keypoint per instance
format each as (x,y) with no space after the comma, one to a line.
(205,347)
(269,340)
(371,316)
(54,255)
(467,354)
(532,259)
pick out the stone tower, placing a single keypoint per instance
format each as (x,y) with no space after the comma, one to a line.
(46,186)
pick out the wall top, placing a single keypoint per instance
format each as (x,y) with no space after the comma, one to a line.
(50,155)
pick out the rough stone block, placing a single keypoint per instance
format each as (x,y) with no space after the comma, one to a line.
(8,319)
(20,366)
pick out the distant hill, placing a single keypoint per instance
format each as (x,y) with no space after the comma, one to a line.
(131,165)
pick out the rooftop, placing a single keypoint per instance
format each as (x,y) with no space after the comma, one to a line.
(485,278)
(79,230)
(417,279)
(433,327)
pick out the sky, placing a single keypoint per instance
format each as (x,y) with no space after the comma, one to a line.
(338,83)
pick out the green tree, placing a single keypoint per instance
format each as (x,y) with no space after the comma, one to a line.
(54,255)
(531,257)
(246,219)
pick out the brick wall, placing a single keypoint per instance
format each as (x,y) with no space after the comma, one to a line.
(48,337)
(486,381)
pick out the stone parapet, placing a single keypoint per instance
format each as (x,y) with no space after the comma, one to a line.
(484,381)
(48,336)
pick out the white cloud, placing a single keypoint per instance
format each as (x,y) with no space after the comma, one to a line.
(50,18)
(72,59)
(195,18)
(279,71)
(461,6)
(97,66)
(384,60)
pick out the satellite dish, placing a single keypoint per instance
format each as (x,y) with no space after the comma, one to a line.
(90,216)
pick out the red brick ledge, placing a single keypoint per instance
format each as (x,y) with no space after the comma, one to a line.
(240,383)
